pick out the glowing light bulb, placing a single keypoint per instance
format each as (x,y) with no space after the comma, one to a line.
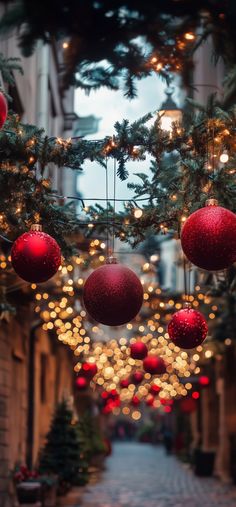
(224,158)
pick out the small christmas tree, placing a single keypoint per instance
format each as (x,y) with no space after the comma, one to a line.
(62,452)
(92,442)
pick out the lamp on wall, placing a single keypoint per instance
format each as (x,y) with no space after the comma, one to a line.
(169,111)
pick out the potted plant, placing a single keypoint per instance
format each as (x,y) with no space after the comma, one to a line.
(32,487)
(28,487)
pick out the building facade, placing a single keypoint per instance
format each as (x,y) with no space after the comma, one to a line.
(35,370)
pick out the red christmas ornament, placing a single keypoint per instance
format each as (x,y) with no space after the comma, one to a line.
(154,365)
(35,255)
(195,395)
(89,370)
(3,109)
(137,377)
(149,401)
(135,400)
(187,328)
(81,383)
(204,381)
(138,350)
(124,383)
(113,294)
(208,237)
(188,405)
(154,389)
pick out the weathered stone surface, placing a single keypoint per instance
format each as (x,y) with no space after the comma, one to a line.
(141,475)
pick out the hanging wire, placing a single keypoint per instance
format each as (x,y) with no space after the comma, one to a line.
(106,169)
(114,205)
(185,279)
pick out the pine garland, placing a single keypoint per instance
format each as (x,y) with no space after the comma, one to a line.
(135,38)
(181,177)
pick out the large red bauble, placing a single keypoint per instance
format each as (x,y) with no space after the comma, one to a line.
(35,256)
(208,238)
(187,328)
(3,109)
(138,350)
(154,365)
(113,295)
(137,377)
(81,383)
(89,370)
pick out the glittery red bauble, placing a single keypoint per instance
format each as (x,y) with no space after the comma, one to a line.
(135,401)
(81,383)
(154,365)
(124,383)
(113,295)
(208,238)
(137,377)
(154,389)
(138,350)
(35,256)
(89,370)
(3,109)
(187,328)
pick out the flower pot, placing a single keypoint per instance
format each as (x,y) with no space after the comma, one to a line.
(28,492)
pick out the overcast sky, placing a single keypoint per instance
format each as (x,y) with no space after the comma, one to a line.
(112,106)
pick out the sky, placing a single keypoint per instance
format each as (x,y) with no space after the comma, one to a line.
(112,106)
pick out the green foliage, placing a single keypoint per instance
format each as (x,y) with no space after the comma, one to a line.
(61,454)
(7,66)
(185,171)
(114,43)
(90,437)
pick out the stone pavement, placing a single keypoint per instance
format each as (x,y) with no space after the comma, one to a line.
(140,475)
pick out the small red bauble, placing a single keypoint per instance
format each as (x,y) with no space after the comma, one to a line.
(35,256)
(187,328)
(204,381)
(188,405)
(138,350)
(124,383)
(137,377)
(89,370)
(208,237)
(149,400)
(81,383)
(154,365)
(154,389)
(113,295)
(3,109)
(135,400)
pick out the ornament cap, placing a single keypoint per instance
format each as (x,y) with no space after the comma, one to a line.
(187,305)
(211,202)
(111,260)
(36,227)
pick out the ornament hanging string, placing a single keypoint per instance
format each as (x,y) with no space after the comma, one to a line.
(107,210)
(114,206)
(187,275)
